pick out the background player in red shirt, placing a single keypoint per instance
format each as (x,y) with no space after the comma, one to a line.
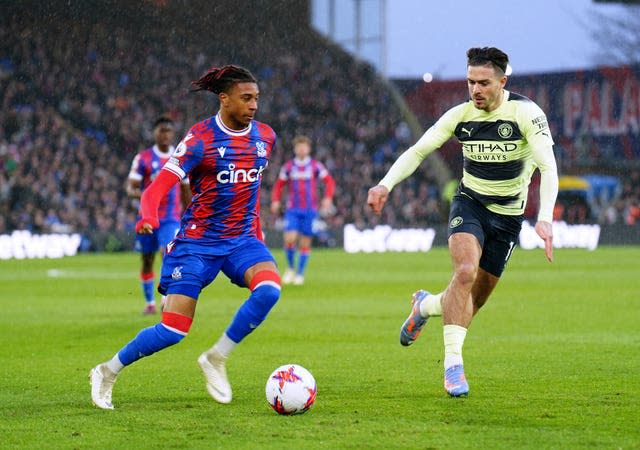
(300,175)
(224,157)
(145,167)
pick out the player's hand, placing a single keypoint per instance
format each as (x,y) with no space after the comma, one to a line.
(275,207)
(146,226)
(545,231)
(326,207)
(377,198)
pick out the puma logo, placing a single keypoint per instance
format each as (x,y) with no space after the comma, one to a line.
(467,131)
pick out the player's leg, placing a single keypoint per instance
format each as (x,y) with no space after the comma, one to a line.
(147,245)
(184,274)
(305,252)
(291,231)
(482,288)
(166,233)
(305,229)
(457,308)
(174,326)
(290,251)
(253,267)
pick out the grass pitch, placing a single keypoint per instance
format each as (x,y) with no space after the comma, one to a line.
(552,360)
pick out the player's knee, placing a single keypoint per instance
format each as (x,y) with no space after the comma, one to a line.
(265,290)
(465,273)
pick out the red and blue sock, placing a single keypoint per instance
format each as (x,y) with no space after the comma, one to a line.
(147,281)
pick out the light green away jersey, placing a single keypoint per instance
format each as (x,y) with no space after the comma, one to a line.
(501,149)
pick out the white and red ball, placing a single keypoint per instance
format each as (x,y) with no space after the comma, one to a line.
(291,389)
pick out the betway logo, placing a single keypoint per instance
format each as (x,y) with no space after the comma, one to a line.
(383,238)
(240,175)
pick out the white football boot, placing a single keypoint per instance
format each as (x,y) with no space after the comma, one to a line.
(102,380)
(212,364)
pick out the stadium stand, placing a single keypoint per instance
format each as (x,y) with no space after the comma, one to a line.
(82,82)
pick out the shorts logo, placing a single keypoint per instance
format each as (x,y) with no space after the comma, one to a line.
(455,222)
(177,273)
(505,131)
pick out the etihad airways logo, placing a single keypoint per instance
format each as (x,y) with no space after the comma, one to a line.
(489,147)
(234,175)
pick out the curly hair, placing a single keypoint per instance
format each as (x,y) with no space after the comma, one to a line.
(222,79)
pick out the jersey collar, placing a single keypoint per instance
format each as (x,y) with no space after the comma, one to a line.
(229,131)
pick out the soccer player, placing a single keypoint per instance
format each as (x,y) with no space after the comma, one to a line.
(504,137)
(224,157)
(301,175)
(145,167)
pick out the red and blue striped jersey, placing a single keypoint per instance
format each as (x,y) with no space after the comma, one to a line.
(145,167)
(225,171)
(301,178)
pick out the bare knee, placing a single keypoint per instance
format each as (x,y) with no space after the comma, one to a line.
(465,274)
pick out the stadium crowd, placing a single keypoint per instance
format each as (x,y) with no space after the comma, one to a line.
(80,90)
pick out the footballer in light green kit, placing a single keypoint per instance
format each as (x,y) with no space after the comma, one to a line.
(504,137)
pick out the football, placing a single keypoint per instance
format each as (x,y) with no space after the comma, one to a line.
(291,389)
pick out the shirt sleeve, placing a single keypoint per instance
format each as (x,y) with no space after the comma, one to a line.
(541,144)
(187,154)
(439,133)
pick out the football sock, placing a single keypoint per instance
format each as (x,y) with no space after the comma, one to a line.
(173,328)
(290,252)
(265,291)
(431,306)
(304,258)
(453,340)
(224,346)
(147,281)
(114,364)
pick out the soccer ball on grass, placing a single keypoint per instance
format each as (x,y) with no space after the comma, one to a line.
(291,389)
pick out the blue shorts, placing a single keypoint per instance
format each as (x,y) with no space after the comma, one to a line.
(151,243)
(189,267)
(300,220)
(496,233)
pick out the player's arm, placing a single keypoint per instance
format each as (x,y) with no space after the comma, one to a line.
(276,193)
(409,161)
(150,201)
(326,204)
(546,162)
(133,185)
(132,188)
(539,138)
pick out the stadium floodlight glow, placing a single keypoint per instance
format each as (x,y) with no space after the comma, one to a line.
(508,70)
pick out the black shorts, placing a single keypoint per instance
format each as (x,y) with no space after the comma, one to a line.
(496,233)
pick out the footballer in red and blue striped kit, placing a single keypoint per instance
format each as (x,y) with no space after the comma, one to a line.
(144,168)
(224,158)
(301,176)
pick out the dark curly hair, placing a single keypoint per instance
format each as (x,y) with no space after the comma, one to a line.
(222,79)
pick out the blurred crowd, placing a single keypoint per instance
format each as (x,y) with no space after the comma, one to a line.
(80,92)
(79,98)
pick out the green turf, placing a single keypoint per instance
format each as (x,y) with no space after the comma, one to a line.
(552,360)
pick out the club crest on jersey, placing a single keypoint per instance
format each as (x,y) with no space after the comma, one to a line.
(505,131)
(262,149)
